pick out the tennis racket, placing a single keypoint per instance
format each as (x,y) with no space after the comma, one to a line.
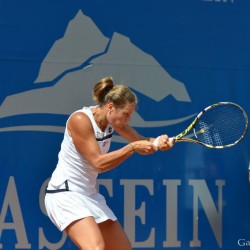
(220,125)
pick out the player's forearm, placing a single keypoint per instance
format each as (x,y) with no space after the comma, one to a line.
(132,135)
(111,160)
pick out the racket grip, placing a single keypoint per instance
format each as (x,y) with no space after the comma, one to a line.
(171,139)
(156,141)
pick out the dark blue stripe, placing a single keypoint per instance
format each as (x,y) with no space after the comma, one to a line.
(105,137)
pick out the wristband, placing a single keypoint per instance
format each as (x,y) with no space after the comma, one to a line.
(156,141)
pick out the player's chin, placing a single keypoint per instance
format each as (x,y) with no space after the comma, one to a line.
(119,126)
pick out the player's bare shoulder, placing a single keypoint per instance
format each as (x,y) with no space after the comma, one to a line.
(79,121)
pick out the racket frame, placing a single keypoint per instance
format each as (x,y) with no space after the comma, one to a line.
(180,137)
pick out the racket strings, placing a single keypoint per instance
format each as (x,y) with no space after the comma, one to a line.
(222,125)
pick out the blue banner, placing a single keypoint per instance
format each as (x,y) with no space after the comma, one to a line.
(178,56)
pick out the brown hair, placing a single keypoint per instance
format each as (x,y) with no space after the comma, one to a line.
(105,91)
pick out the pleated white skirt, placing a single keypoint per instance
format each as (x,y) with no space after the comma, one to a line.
(63,208)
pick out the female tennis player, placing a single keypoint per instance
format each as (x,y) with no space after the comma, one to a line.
(72,201)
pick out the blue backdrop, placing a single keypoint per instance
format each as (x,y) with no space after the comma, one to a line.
(179,56)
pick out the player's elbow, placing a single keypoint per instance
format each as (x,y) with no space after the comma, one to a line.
(99,165)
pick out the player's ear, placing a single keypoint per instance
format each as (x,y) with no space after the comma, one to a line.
(110,106)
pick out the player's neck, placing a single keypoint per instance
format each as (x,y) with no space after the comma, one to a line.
(100,118)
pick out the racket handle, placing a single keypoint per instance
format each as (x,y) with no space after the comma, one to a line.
(171,139)
(156,141)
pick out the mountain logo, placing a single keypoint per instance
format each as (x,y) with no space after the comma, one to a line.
(73,64)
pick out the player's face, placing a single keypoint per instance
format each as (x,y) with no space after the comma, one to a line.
(118,117)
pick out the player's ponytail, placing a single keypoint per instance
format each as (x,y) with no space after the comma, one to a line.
(105,91)
(101,89)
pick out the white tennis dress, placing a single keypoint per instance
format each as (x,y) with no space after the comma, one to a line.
(71,192)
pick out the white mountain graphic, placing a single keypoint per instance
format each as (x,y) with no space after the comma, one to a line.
(77,61)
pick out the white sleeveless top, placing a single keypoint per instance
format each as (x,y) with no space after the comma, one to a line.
(72,167)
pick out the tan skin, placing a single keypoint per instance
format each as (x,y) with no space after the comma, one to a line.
(109,235)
